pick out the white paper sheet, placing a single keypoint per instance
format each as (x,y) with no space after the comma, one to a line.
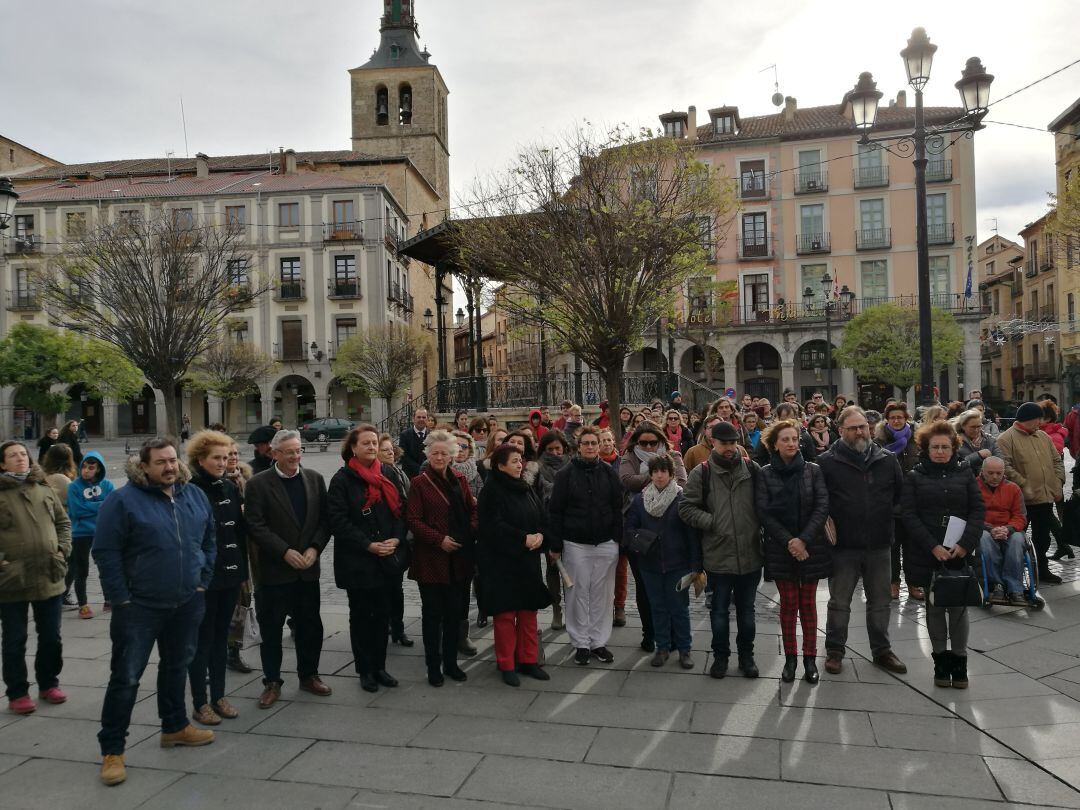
(954,531)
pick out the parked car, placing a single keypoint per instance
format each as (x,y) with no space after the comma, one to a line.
(321,430)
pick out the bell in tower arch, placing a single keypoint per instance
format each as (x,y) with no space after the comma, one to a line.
(382,107)
(405,104)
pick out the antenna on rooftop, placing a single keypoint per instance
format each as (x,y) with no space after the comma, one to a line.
(777,96)
(183,122)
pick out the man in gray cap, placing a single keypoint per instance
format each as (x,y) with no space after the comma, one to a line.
(719,502)
(1032,462)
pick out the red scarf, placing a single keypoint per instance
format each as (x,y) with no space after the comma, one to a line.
(379,487)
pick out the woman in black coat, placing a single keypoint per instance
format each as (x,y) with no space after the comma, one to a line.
(366,512)
(792,504)
(786,411)
(69,435)
(937,488)
(511,542)
(208,455)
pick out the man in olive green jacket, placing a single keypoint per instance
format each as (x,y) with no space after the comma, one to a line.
(35,540)
(719,501)
(1032,462)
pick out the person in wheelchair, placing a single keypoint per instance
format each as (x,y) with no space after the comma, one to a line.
(1002,543)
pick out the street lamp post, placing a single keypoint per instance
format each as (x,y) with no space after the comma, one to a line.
(8,198)
(828,305)
(974,87)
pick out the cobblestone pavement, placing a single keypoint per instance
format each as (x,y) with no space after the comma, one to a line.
(622,735)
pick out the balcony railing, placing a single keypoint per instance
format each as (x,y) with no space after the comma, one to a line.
(1047,261)
(812,243)
(756,247)
(1018,373)
(753,187)
(29,243)
(292,290)
(391,236)
(343,288)
(1037,371)
(796,312)
(873,238)
(290,353)
(871,177)
(1046,313)
(1031,315)
(938,171)
(811,181)
(940,233)
(343,232)
(23,301)
(1031,269)
(397,296)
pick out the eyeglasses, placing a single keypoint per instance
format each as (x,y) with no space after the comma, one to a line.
(481,430)
(463,447)
(674,419)
(647,443)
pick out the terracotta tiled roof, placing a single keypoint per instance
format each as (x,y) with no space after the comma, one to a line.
(816,122)
(226,163)
(179,187)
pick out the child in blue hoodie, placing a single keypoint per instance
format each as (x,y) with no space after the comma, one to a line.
(85,496)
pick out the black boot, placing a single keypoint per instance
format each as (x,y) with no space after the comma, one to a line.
(235,662)
(747,666)
(942,669)
(464,646)
(959,671)
(788,674)
(810,671)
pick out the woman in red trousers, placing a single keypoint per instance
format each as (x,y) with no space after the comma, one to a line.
(511,542)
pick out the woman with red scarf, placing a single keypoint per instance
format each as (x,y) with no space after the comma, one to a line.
(366,512)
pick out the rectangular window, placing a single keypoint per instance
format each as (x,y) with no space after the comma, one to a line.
(810,177)
(344,328)
(756,295)
(940,282)
(699,293)
(22,282)
(129,217)
(24,226)
(869,156)
(240,332)
(874,279)
(935,209)
(872,214)
(989,269)
(811,280)
(184,219)
(1070,303)
(755,236)
(289,215)
(708,244)
(752,178)
(724,124)
(238,272)
(344,215)
(235,216)
(76,224)
(812,220)
(674,129)
(291,285)
(292,340)
(345,281)
(871,170)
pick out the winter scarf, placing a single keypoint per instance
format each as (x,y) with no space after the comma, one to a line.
(18,476)
(821,439)
(645,457)
(379,487)
(657,501)
(900,439)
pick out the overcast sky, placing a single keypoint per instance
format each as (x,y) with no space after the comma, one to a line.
(101,79)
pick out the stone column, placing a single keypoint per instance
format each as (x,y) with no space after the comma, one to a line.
(216,408)
(787,377)
(731,371)
(849,385)
(266,409)
(972,359)
(159,414)
(110,418)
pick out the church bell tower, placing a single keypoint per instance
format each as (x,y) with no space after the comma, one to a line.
(399,99)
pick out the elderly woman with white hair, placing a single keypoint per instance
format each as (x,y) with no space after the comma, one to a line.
(976,445)
(441,513)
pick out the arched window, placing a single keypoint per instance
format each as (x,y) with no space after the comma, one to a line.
(405,104)
(382,106)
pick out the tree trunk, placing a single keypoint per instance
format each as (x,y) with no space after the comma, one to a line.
(171,428)
(613,377)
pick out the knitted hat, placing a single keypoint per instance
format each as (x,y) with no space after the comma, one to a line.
(725,432)
(1028,411)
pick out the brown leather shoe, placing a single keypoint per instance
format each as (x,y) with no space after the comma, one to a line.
(270,695)
(916,593)
(207,716)
(834,663)
(226,709)
(187,736)
(889,661)
(315,686)
(113,771)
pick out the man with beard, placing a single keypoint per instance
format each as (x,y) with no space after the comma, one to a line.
(718,501)
(864,482)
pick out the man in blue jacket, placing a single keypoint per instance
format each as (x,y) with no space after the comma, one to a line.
(154,547)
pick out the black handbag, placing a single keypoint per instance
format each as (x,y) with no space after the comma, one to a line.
(641,541)
(955,587)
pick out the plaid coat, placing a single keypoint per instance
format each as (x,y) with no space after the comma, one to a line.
(428,516)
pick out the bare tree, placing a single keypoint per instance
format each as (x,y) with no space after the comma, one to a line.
(230,370)
(706,319)
(382,360)
(157,289)
(602,231)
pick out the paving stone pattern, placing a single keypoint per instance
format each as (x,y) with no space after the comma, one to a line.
(624,735)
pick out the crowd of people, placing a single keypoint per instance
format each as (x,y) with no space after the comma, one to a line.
(553,513)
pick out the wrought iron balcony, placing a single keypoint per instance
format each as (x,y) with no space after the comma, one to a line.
(1031,268)
(391,237)
(343,288)
(940,233)
(343,232)
(23,301)
(29,243)
(291,290)
(753,186)
(756,247)
(812,243)
(938,171)
(811,181)
(1046,313)
(871,177)
(796,312)
(873,239)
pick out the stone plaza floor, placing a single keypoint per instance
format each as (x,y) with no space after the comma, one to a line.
(622,735)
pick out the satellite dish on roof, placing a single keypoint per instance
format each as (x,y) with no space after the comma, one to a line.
(777,96)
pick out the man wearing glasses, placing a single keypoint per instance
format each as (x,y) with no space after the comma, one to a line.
(864,482)
(286,514)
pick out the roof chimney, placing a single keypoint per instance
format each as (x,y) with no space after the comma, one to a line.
(691,124)
(290,161)
(202,166)
(789,108)
(901,99)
